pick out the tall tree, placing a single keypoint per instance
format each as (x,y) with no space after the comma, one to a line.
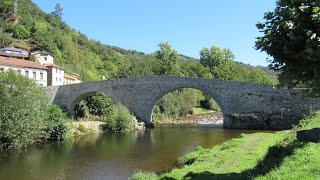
(168,59)
(218,61)
(292,38)
(58,11)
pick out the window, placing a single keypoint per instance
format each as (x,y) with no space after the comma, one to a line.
(26,73)
(34,75)
(56,79)
(1,69)
(45,58)
(41,76)
(19,71)
(60,79)
(57,71)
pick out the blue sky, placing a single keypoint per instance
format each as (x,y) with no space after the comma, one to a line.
(188,25)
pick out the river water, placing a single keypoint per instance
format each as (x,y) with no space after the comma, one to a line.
(112,156)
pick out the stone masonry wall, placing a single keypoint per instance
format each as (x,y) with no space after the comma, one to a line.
(244,105)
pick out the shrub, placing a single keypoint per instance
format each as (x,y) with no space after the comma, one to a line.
(119,119)
(22,111)
(58,124)
(99,104)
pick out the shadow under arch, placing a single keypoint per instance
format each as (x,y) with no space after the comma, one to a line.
(159,96)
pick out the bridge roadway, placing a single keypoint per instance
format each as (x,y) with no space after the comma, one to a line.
(244,105)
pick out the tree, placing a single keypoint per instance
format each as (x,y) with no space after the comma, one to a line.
(220,62)
(291,35)
(22,111)
(168,59)
(25,114)
(58,11)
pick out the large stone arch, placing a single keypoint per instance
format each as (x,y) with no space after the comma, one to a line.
(244,105)
(162,94)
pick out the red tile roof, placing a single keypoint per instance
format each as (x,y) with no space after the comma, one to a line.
(20,63)
(53,65)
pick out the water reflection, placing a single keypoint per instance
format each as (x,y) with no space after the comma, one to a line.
(112,156)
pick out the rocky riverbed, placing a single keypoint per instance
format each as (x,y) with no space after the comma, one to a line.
(208,118)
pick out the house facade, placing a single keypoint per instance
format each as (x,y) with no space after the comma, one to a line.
(55,75)
(30,69)
(41,68)
(43,57)
(71,78)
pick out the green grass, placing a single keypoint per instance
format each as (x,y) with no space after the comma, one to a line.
(255,156)
(199,110)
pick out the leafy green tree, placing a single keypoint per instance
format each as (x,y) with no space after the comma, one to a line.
(22,111)
(21,32)
(291,35)
(168,59)
(99,104)
(220,62)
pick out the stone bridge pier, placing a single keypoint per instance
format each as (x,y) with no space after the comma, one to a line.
(244,105)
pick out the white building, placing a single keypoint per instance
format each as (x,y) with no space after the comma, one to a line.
(30,69)
(55,75)
(43,57)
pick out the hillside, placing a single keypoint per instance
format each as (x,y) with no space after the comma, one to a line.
(32,29)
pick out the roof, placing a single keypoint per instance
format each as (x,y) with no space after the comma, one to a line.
(14,55)
(53,65)
(15,49)
(20,63)
(41,53)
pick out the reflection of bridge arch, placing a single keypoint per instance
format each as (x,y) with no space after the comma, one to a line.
(244,105)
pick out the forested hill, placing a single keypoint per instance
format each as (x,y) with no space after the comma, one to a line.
(32,29)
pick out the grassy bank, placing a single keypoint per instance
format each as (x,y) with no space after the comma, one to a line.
(256,156)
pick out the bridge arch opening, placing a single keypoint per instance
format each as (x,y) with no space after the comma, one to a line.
(91,104)
(187,106)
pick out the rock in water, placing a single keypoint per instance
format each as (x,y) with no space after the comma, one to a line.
(312,135)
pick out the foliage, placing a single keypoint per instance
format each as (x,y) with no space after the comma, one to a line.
(22,112)
(25,114)
(168,59)
(58,124)
(291,37)
(99,104)
(119,119)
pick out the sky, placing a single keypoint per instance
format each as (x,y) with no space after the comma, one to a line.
(188,25)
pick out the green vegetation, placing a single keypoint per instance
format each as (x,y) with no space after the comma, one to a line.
(256,156)
(100,107)
(181,102)
(25,114)
(291,37)
(199,110)
(144,176)
(33,29)
(120,119)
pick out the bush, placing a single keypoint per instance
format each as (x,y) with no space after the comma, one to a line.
(22,111)
(58,124)
(99,104)
(119,119)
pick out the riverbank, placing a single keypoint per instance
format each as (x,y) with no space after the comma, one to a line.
(256,156)
(211,117)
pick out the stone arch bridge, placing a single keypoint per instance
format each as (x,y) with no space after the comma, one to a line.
(244,105)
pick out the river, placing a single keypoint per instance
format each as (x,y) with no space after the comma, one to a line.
(114,155)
